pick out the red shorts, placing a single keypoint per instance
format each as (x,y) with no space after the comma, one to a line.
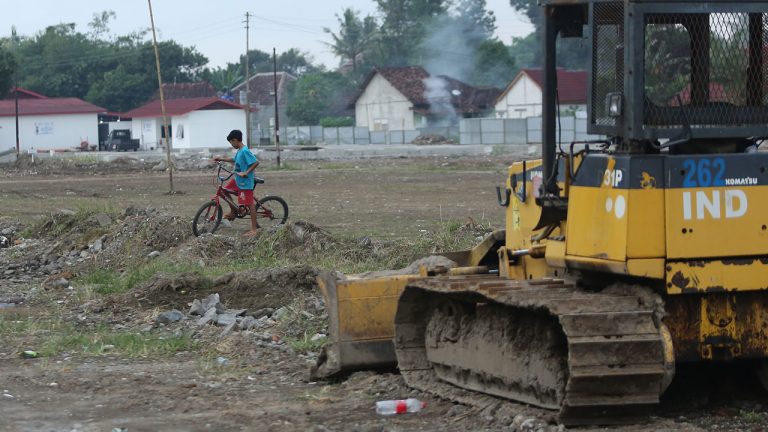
(244,197)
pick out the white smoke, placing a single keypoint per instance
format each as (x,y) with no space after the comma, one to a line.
(438,94)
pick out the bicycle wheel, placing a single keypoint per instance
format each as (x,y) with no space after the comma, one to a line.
(271,211)
(207,218)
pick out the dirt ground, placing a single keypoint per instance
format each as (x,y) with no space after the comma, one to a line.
(379,197)
(102,256)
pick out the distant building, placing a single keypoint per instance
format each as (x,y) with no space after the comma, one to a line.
(407,98)
(522,97)
(193,122)
(262,102)
(48,123)
(186,91)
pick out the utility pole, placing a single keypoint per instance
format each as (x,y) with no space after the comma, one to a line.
(168,160)
(16,87)
(277,115)
(247,80)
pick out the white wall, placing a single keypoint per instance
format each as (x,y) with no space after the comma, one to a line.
(181,130)
(381,102)
(147,131)
(209,128)
(523,100)
(49,132)
(197,129)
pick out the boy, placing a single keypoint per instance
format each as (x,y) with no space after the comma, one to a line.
(245,163)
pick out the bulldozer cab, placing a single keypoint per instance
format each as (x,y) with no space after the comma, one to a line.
(683,75)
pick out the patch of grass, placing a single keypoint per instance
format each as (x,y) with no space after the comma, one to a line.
(50,337)
(299,327)
(100,342)
(86,159)
(108,282)
(755,417)
(305,344)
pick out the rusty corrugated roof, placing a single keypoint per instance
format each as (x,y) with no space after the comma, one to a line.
(411,81)
(48,106)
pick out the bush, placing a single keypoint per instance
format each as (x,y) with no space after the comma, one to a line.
(337,121)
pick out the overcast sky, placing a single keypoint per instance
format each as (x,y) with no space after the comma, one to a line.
(216,28)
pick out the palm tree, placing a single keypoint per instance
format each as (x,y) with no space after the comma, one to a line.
(355,36)
(225,79)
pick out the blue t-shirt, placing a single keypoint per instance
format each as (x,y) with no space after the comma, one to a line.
(243,160)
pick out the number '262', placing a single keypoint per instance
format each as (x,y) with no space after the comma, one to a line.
(704,172)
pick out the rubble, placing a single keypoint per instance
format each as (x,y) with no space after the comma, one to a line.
(430,139)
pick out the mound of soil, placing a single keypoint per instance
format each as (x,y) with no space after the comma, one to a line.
(432,139)
(262,288)
(304,235)
(251,289)
(141,232)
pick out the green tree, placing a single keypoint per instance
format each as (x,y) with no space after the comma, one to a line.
(118,73)
(293,61)
(224,79)
(313,95)
(572,53)
(120,90)
(58,61)
(404,25)
(7,69)
(458,45)
(495,67)
(530,8)
(100,24)
(477,17)
(355,37)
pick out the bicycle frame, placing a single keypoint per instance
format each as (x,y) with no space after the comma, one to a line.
(273,209)
(226,195)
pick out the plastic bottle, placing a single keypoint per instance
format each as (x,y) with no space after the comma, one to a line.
(390,407)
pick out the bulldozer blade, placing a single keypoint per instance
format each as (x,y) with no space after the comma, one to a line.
(361,315)
(361,311)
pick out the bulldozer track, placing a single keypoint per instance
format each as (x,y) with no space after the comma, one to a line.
(596,358)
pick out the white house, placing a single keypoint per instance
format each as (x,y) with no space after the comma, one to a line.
(48,123)
(522,97)
(194,122)
(406,98)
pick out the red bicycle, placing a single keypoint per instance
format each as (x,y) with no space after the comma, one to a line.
(271,210)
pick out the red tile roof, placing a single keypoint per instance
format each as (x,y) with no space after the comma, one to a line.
(717,93)
(25,94)
(571,84)
(175,107)
(411,81)
(185,91)
(48,106)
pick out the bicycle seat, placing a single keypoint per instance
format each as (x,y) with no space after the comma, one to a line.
(257,180)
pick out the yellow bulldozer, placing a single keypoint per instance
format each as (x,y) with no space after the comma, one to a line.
(621,256)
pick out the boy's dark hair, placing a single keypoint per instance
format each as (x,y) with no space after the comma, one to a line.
(235,134)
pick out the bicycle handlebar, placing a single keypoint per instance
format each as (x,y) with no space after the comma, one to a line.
(222,179)
(218,172)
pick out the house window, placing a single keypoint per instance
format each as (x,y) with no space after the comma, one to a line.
(162,131)
(380,125)
(180,131)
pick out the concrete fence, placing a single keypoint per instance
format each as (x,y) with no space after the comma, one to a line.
(470,131)
(520,131)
